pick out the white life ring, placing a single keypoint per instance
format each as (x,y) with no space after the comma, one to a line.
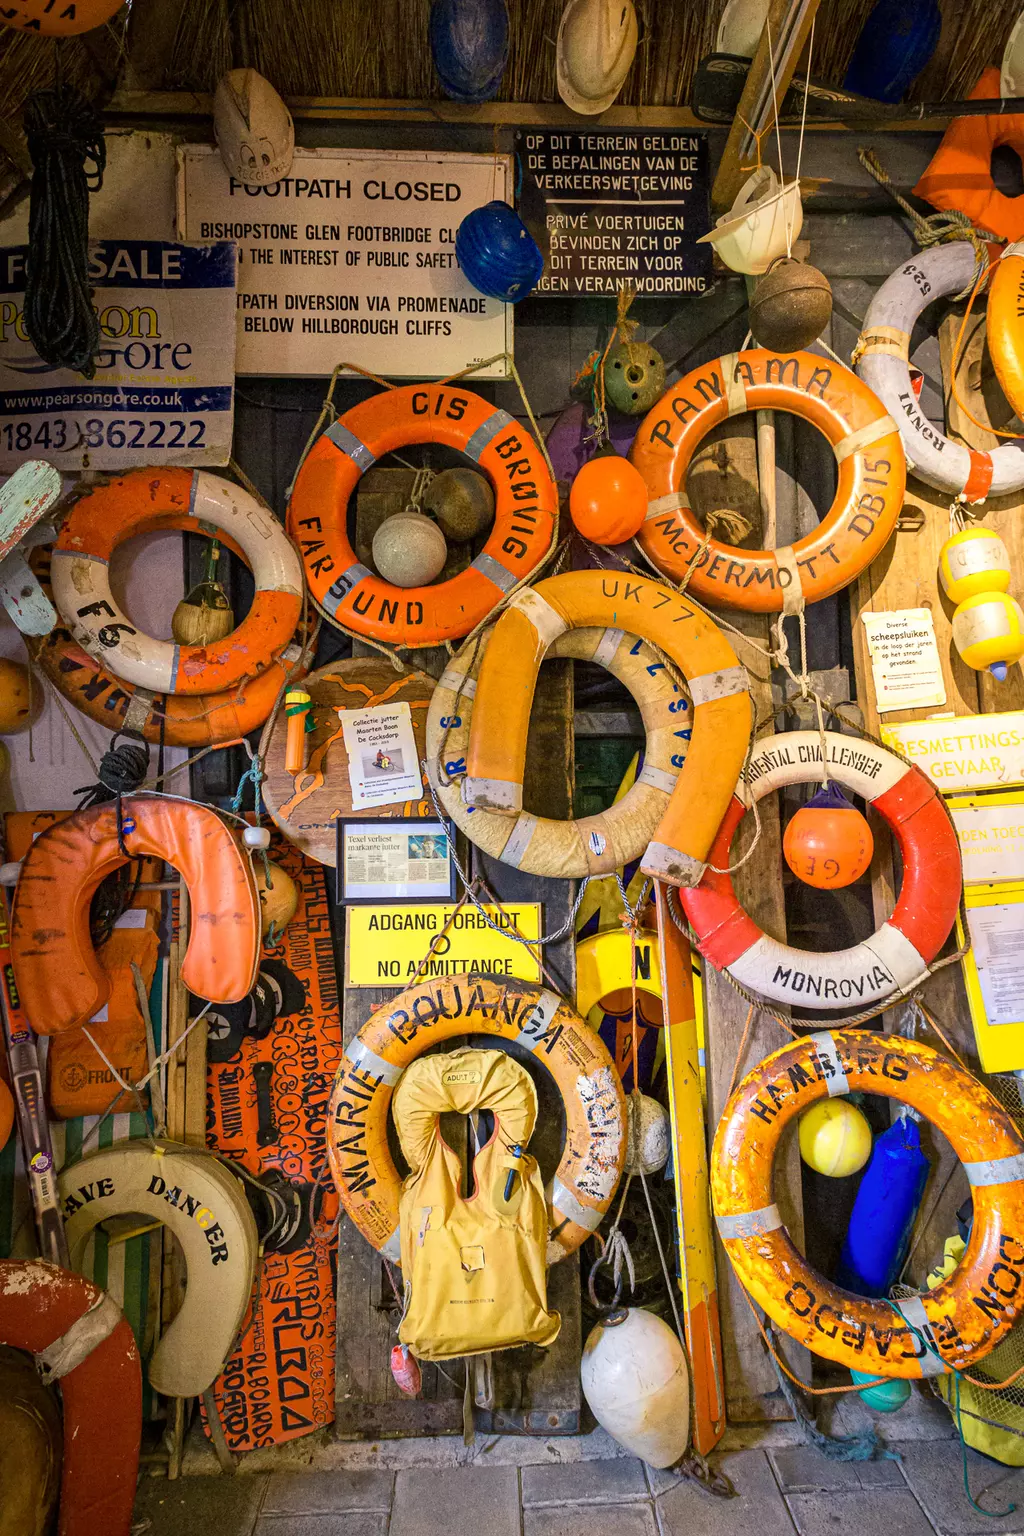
(882,361)
(896,957)
(205,1207)
(594,845)
(149,499)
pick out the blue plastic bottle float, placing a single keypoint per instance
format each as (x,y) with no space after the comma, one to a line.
(878,1236)
(895,44)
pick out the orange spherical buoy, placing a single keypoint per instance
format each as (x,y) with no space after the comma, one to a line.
(66,18)
(19,697)
(828,843)
(6,1114)
(608,500)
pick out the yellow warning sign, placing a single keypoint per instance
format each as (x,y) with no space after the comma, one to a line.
(385,945)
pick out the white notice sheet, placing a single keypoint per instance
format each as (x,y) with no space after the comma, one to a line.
(997,934)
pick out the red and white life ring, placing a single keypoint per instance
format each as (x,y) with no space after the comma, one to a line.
(81,1338)
(150,499)
(896,957)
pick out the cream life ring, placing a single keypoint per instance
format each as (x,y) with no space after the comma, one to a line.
(526,505)
(882,354)
(205,1207)
(148,499)
(533,621)
(513,1011)
(965,1316)
(594,845)
(896,957)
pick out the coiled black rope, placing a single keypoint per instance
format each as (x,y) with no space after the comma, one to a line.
(122,770)
(65,140)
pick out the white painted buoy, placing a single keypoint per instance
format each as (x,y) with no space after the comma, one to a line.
(636,1379)
(409,550)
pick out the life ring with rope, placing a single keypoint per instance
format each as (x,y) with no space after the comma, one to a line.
(858,525)
(717,684)
(80,1337)
(896,957)
(146,500)
(526,506)
(882,361)
(171,719)
(58,974)
(950,1327)
(508,1012)
(593,845)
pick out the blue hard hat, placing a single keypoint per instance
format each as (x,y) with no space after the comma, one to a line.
(497,253)
(469,41)
(895,44)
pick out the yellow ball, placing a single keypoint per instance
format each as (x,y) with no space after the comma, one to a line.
(279,904)
(973,560)
(835,1138)
(988,631)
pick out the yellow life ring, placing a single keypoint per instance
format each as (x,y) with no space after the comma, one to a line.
(959,1321)
(718,686)
(514,1011)
(604,964)
(594,845)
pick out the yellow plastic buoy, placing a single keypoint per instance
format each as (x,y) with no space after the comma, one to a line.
(972,561)
(835,1138)
(988,631)
(18,697)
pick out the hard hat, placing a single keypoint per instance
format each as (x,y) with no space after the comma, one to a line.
(596,45)
(740,28)
(1011,75)
(253,128)
(497,253)
(766,217)
(469,41)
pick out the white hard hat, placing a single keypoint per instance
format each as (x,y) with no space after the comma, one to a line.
(740,28)
(596,45)
(761,225)
(253,128)
(1011,75)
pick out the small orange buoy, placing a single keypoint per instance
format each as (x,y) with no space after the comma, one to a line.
(65,19)
(608,500)
(6,1114)
(19,697)
(828,843)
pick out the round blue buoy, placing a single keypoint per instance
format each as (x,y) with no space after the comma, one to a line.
(469,41)
(895,44)
(886,1396)
(497,253)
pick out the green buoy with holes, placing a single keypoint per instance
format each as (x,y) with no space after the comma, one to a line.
(634,377)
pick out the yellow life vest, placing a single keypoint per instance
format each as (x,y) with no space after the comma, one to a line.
(474,1268)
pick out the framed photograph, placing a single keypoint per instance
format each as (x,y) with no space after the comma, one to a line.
(384,860)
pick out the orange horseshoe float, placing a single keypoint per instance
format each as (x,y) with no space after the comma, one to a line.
(526,504)
(59,978)
(1004,317)
(515,1011)
(963,1318)
(718,686)
(872,479)
(177,720)
(80,1336)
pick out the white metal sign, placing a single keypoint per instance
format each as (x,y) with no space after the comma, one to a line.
(163,392)
(991,838)
(351,258)
(964,751)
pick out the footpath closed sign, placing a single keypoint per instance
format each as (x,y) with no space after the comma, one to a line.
(621,207)
(351,258)
(163,392)
(385,946)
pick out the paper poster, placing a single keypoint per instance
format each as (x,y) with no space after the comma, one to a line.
(163,392)
(389,860)
(383,767)
(904,659)
(997,934)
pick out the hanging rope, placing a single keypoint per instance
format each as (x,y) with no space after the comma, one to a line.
(65,140)
(935,228)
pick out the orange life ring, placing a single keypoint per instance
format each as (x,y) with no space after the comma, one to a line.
(526,505)
(59,977)
(515,1011)
(965,1316)
(872,479)
(142,502)
(717,683)
(1005,321)
(177,720)
(959,174)
(79,1335)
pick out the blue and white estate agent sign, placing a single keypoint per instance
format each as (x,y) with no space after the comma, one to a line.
(163,392)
